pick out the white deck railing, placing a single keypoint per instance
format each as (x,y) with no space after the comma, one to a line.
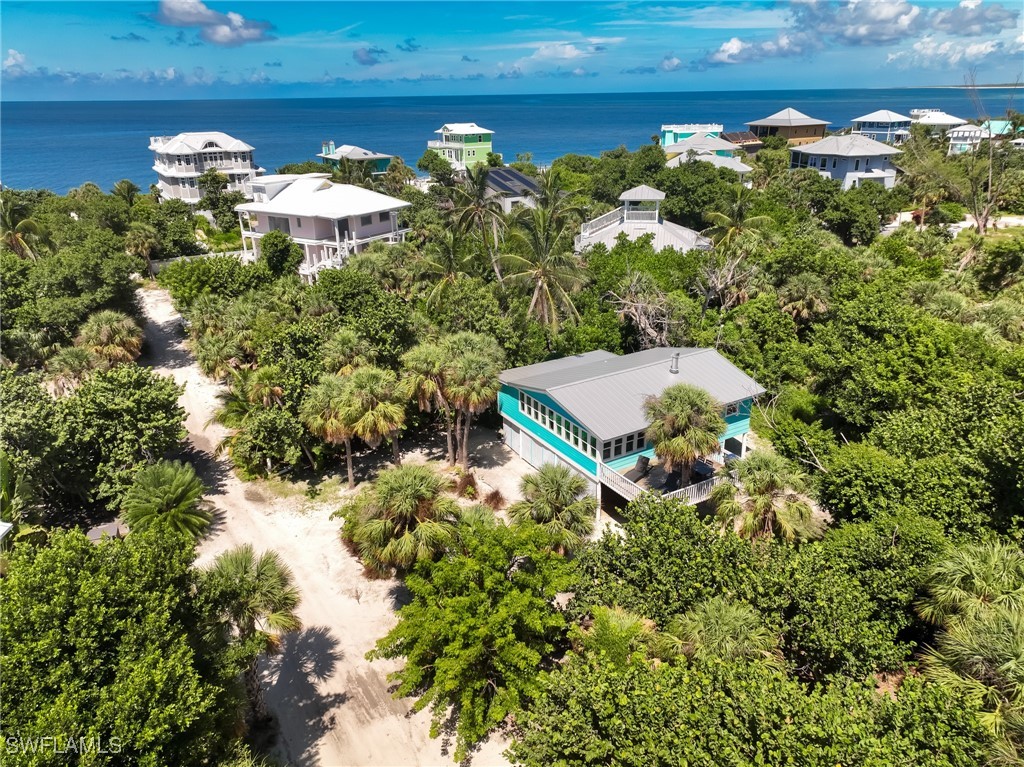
(629,490)
(609,218)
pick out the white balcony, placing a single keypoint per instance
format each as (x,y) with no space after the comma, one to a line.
(616,217)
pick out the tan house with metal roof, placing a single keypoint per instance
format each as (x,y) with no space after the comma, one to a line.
(796,127)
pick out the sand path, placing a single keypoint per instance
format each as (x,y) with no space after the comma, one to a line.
(334,707)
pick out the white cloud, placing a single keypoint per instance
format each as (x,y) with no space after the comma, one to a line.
(228,30)
(14,59)
(945,54)
(728,51)
(670,63)
(972,18)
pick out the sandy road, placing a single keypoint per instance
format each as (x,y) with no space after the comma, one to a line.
(334,707)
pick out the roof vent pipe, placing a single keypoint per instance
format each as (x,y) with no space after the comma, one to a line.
(674,368)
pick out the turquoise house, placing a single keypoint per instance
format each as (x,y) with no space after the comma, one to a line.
(587,411)
(376,162)
(672,134)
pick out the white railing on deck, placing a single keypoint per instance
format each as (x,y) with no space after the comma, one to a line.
(624,487)
(696,493)
(641,215)
(609,218)
(629,490)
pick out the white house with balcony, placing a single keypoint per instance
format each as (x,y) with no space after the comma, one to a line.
(179,160)
(640,214)
(966,138)
(329,221)
(883,125)
(853,159)
(935,120)
(464,145)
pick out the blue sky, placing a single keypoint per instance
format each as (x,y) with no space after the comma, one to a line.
(195,49)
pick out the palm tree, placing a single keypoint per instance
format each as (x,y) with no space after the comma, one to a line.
(263,386)
(804,296)
(470,382)
(375,407)
(732,218)
(721,630)
(423,380)
(444,263)
(217,355)
(615,634)
(167,492)
(767,501)
(23,235)
(557,499)
(555,199)
(325,412)
(981,660)
(70,366)
(258,600)
(127,191)
(545,265)
(402,519)
(154,192)
(685,424)
(476,209)
(112,335)
(972,579)
(345,351)
(141,240)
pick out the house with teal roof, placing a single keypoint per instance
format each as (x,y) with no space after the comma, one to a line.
(587,412)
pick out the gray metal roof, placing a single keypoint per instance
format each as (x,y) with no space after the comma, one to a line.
(851,145)
(787,117)
(605,392)
(642,193)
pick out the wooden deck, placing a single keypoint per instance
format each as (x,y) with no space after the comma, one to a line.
(656,481)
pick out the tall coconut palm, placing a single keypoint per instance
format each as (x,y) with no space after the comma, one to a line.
(545,265)
(972,579)
(470,382)
(445,261)
(423,380)
(718,629)
(766,501)
(553,197)
(731,218)
(476,209)
(558,500)
(615,634)
(70,366)
(258,599)
(376,408)
(170,493)
(142,240)
(112,335)
(24,236)
(127,191)
(325,412)
(345,351)
(685,424)
(405,517)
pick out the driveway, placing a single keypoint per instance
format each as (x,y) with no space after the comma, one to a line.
(334,707)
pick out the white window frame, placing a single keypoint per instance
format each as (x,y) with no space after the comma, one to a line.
(732,409)
(562,427)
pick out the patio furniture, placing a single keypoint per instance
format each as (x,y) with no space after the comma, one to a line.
(641,470)
(672,482)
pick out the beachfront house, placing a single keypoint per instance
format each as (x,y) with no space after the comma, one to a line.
(639,215)
(511,188)
(796,127)
(375,162)
(1000,129)
(701,143)
(966,138)
(587,413)
(673,134)
(329,221)
(883,125)
(935,120)
(179,160)
(464,145)
(853,159)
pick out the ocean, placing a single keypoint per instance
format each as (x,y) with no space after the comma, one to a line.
(61,145)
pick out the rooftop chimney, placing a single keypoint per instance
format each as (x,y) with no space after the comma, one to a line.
(674,367)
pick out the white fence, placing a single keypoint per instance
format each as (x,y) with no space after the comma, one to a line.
(629,490)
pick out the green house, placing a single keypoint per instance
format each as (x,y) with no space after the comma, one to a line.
(464,145)
(587,412)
